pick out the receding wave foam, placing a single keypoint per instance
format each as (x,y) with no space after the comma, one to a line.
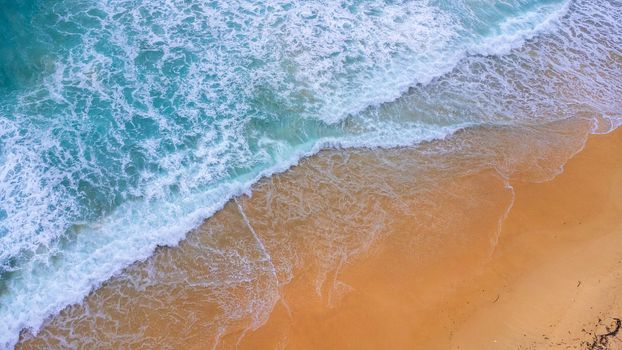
(149,116)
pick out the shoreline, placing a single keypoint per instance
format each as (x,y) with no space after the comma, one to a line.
(550,282)
(561,247)
(183,191)
(309,292)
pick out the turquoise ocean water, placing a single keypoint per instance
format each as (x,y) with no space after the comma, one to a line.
(124,124)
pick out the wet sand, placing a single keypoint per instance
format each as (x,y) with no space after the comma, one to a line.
(450,245)
(553,281)
(557,270)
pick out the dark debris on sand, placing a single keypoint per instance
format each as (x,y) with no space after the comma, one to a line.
(608,340)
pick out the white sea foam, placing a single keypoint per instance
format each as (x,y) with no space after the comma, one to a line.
(101,249)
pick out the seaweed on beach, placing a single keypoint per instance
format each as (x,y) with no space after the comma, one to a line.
(604,341)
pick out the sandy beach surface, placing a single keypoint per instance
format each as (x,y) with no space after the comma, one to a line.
(389,249)
(552,281)
(557,270)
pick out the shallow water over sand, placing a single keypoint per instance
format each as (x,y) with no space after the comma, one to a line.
(293,250)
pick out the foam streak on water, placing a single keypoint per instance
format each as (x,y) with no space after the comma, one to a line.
(124,124)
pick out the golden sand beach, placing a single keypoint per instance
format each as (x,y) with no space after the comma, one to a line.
(552,281)
(389,249)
